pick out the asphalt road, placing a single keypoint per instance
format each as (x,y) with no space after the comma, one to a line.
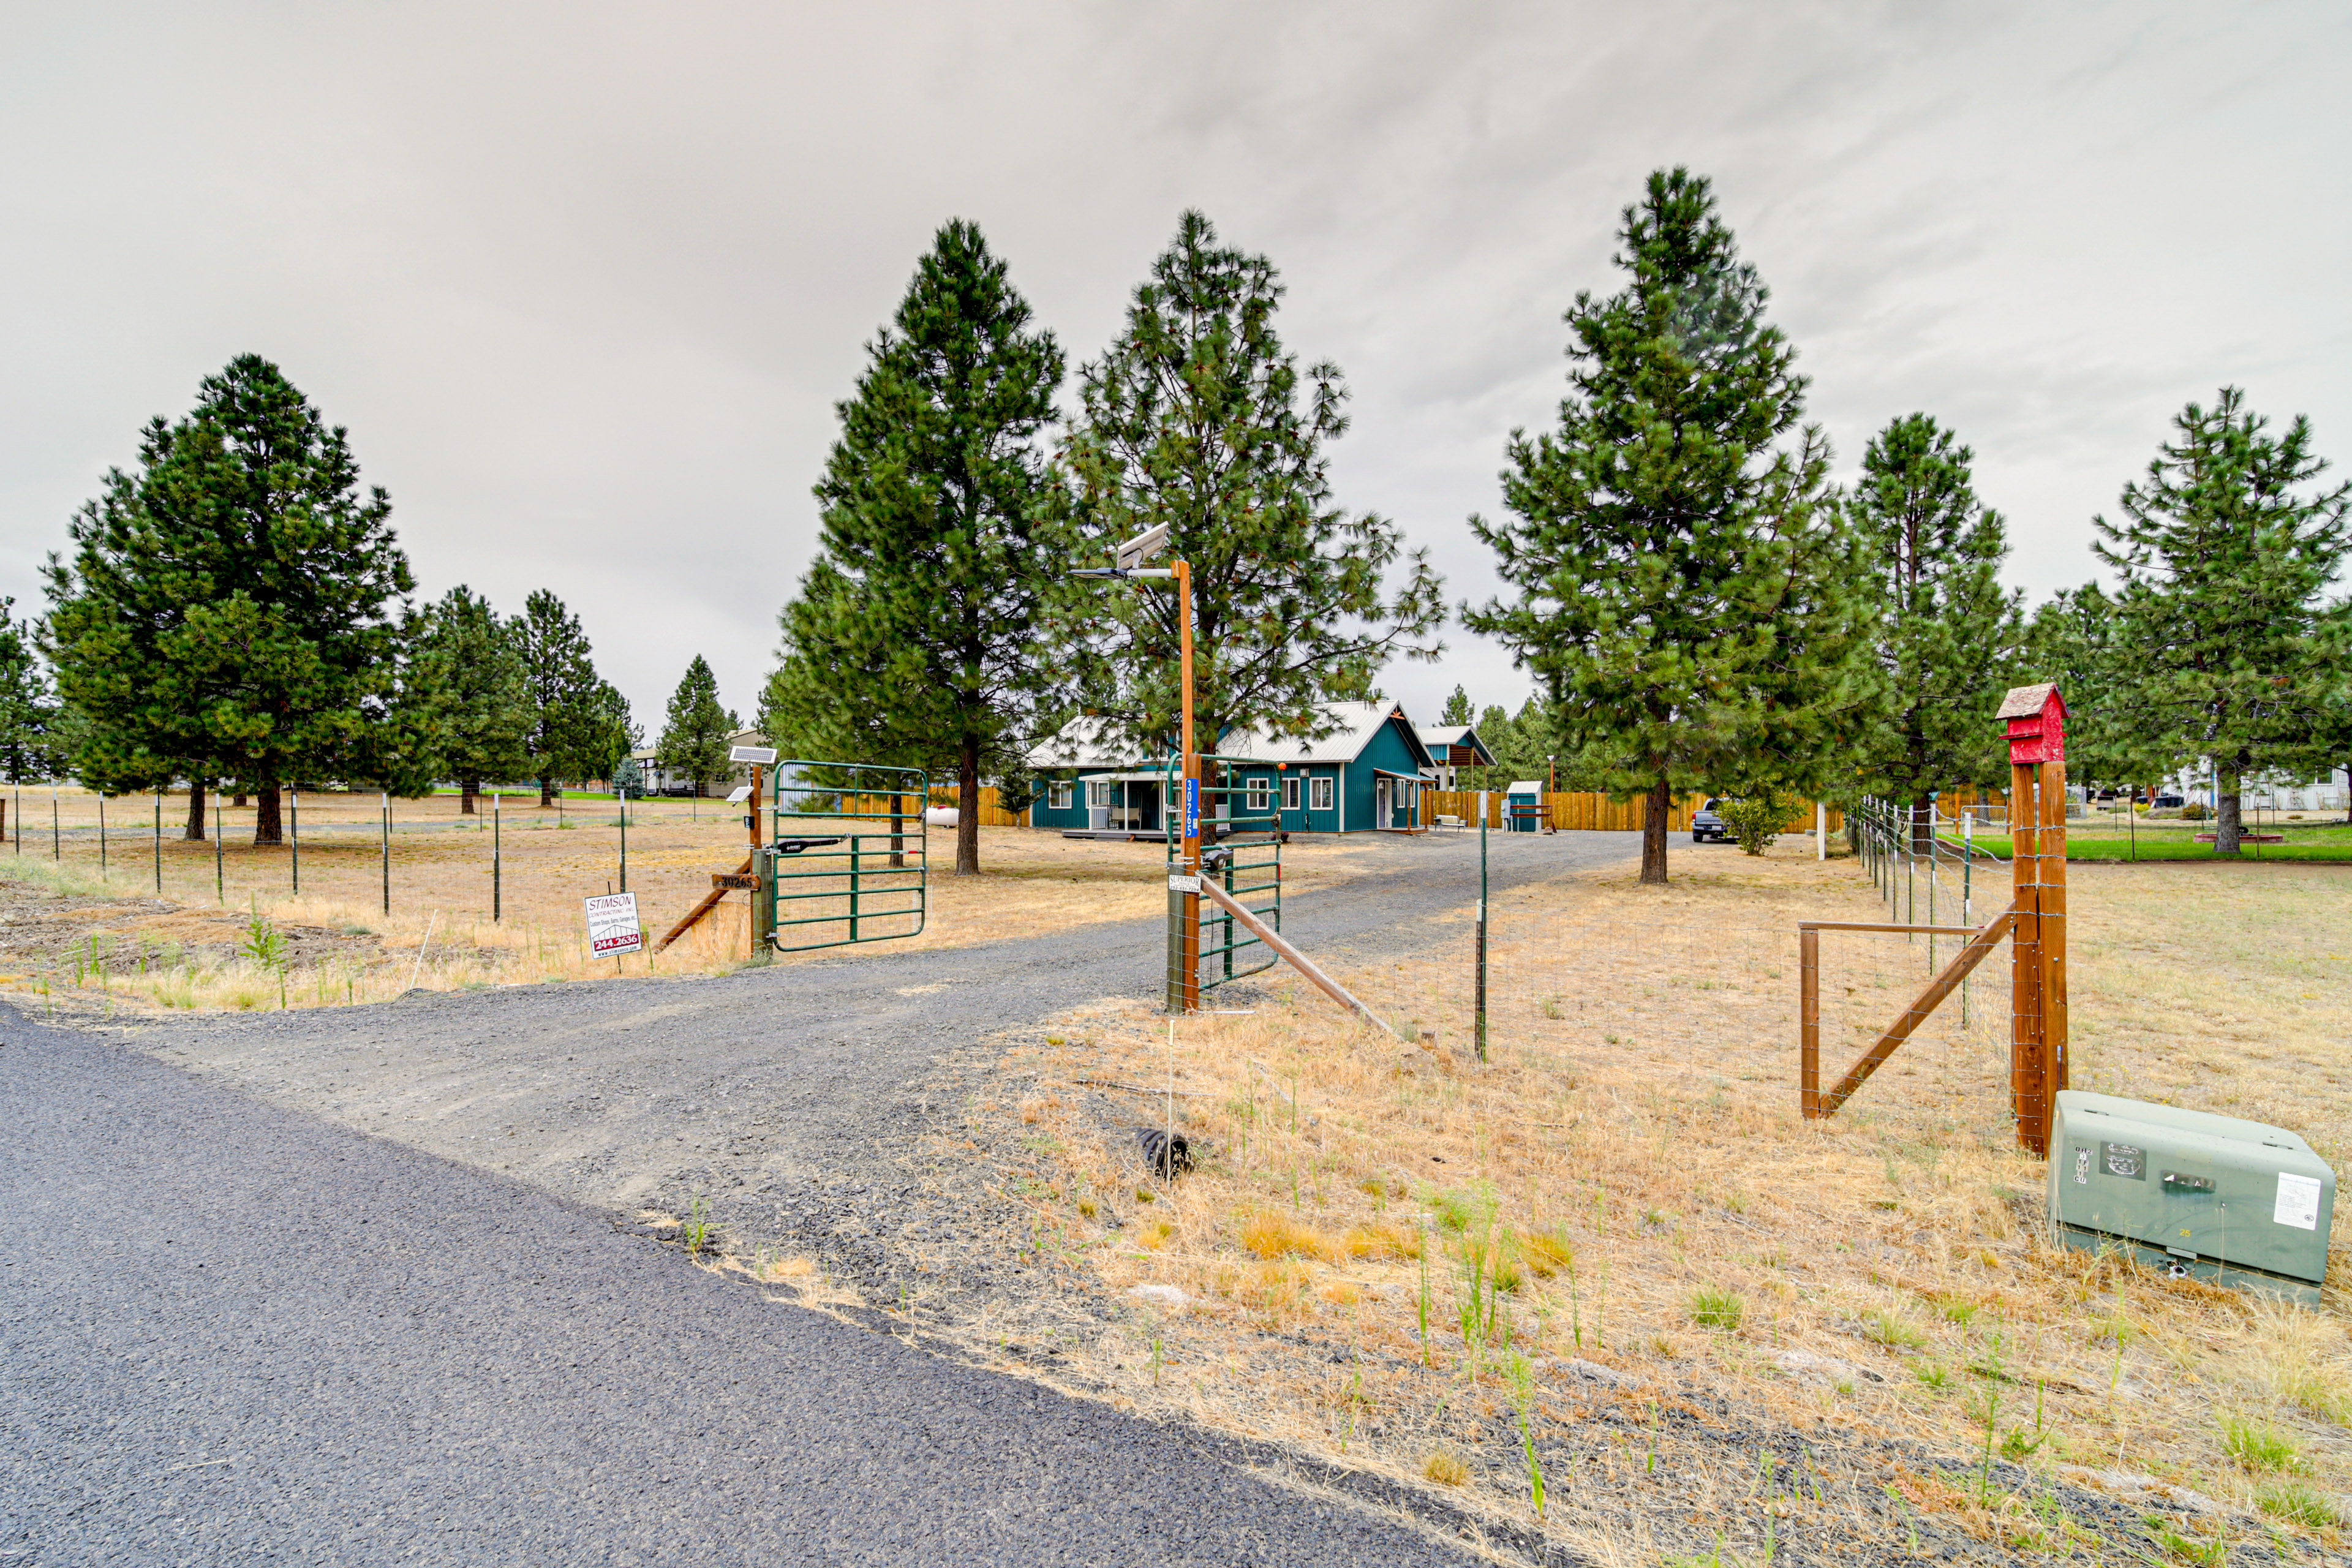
(236,1333)
(249,1330)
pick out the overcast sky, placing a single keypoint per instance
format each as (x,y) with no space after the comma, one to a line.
(585,280)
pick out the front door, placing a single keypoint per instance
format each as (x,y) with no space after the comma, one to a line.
(1380,810)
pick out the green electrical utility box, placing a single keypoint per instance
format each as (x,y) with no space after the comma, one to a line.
(2234,1202)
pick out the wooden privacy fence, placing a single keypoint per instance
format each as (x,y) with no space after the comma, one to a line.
(1569,810)
(1591,811)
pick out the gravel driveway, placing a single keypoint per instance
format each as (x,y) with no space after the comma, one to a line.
(797,1102)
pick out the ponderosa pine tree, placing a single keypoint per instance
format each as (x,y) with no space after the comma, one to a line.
(235,609)
(1197,417)
(694,740)
(607,734)
(913,640)
(1687,593)
(471,668)
(2331,729)
(2070,639)
(1947,632)
(28,709)
(2223,558)
(1458,708)
(560,675)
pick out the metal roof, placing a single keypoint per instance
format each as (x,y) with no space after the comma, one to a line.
(1357,724)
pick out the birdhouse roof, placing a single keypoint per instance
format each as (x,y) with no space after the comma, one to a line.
(2025,702)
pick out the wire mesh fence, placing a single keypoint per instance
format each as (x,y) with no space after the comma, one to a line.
(1695,987)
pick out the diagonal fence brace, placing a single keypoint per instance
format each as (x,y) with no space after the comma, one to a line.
(1291,955)
(1815,1101)
(709,902)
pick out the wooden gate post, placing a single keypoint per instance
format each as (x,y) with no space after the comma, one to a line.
(2036,719)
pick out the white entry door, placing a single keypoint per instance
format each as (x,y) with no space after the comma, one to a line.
(1381,808)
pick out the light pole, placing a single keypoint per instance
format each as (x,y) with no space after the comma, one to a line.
(1184,887)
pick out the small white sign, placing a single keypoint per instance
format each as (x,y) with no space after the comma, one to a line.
(1177,882)
(2298,1201)
(762,755)
(612,926)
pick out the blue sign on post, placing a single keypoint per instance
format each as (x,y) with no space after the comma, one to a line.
(1192,808)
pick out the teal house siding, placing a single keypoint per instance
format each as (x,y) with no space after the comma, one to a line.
(1336,783)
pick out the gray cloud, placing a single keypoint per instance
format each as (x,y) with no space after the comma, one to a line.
(585,281)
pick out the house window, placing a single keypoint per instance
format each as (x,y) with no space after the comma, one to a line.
(1258,795)
(1291,795)
(1318,792)
(1057,795)
(1097,792)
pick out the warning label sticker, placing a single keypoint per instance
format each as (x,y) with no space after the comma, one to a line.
(2298,1201)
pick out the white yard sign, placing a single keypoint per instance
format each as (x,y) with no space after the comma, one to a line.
(612,926)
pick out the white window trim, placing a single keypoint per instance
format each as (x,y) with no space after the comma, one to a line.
(1321,791)
(1057,795)
(1290,793)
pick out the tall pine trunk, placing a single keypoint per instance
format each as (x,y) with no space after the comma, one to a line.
(195,810)
(267,828)
(1654,832)
(2227,819)
(238,801)
(967,808)
(546,792)
(466,790)
(1923,826)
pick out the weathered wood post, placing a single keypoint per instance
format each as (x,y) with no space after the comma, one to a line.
(2036,718)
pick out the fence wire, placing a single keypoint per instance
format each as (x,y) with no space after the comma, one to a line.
(1695,987)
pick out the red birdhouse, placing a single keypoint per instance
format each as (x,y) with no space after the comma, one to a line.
(2037,724)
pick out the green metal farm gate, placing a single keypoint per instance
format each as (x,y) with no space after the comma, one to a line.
(846,858)
(1241,850)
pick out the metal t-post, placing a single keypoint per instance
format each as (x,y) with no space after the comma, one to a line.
(384,810)
(625,840)
(101,836)
(496,905)
(220,882)
(159,843)
(1482,925)
(57,834)
(294,833)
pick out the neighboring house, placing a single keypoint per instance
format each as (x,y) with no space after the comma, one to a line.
(661,780)
(1452,747)
(2327,790)
(1368,775)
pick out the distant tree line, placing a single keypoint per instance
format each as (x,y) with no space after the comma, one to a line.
(1702,607)
(234,614)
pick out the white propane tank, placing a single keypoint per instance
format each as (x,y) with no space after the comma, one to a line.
(941,816)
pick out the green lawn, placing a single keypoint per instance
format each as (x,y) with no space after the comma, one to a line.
(2179,843)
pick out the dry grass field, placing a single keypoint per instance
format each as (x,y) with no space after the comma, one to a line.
(86,928)
(1615,1254)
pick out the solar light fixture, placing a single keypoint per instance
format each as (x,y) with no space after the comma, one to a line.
(1132,554)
